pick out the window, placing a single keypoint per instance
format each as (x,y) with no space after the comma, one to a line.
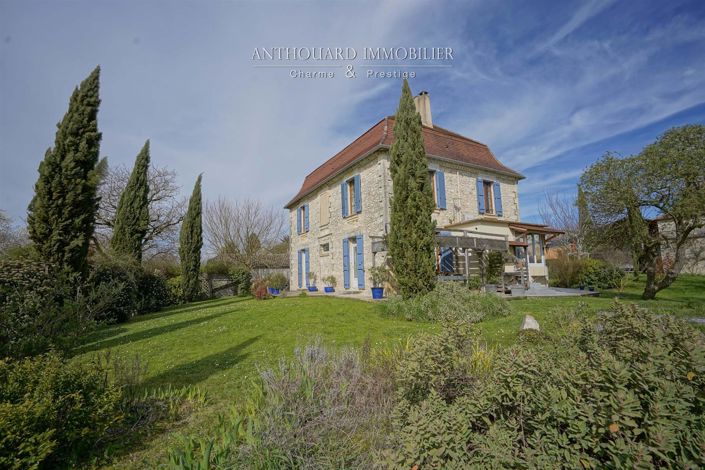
(351,193)
(535,248)
(489,198)
(302,219)
(324,203)
(351,196)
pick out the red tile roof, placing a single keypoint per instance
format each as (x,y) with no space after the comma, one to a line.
(439,143)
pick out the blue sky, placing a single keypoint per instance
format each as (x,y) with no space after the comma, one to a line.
(549,86)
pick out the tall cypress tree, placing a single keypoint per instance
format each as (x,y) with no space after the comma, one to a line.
(411,240)
(132,216)
(61,216)
(190,244)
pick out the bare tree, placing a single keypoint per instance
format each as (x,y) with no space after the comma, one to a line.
(562,212)
(244,232)
(166,209)
(10,236)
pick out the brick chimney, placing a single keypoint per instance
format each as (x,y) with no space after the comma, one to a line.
(423,107)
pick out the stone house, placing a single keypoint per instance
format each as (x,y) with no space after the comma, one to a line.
(340,216)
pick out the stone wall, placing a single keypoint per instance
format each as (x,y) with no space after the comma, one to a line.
(376,189)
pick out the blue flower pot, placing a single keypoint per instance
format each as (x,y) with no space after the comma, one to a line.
(591,289)
(329,289)
(270,290)
(312,289)
(377,292)
(581,287)
(275,291)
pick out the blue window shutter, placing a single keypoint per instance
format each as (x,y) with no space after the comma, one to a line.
(497,199)
(305,217)
(300,269)
(346,263)
(344,197)
(360,262)
(298,220)
(480,197)
(307,264)
(440,190)
(358,195)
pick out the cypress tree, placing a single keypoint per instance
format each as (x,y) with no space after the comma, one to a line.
(411,239)
(190,243)
(61,216)
(132,216)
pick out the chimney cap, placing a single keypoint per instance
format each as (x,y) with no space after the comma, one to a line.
(424,92)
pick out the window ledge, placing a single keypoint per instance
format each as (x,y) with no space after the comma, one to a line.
(353,218)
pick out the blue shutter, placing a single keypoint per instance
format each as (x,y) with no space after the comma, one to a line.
(344,197)
(307,264)
(360,262)
(440,190)
(497,199)
(480,197)
(346,263)
(305,208)
(298,220)
(358,195)
(300,269)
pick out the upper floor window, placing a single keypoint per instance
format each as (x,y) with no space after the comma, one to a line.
(324,204)
(302,219)
(351,196)
(438,187)
(489,197)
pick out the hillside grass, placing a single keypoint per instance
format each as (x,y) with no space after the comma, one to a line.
(219,345)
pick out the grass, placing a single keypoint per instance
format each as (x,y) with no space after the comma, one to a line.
(685,298)
(219,345)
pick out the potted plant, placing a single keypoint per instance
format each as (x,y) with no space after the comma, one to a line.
(330,283)
(312,282)
(378,275)
(276,283)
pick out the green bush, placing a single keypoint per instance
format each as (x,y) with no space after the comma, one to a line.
(175,291)
(628,392)
(278,281)
(114,282)
(449,301)
(600,274)
(216,266)
(242,277)
(52,411)
(569,271)
(41,307)
(154,293)
(475,283)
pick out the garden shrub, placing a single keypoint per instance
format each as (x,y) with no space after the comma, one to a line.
(41,307)
(570,271)
(242,277)
(475,283)
(154,293)
(627,393)
(217,266)
(319,410)
(175,290)
(259,289)
(448,301)
(600,274)
(52,411)
(277,281)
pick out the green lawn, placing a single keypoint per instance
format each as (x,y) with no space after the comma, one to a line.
(219,345)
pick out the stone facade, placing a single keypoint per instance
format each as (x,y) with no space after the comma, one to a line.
(693,250)
(372,221)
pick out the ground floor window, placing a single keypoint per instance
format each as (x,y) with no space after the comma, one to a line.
(535,248)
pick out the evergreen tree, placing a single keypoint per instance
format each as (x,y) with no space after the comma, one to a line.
(61,216)
(132,215)
(190,243)
(411,240)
